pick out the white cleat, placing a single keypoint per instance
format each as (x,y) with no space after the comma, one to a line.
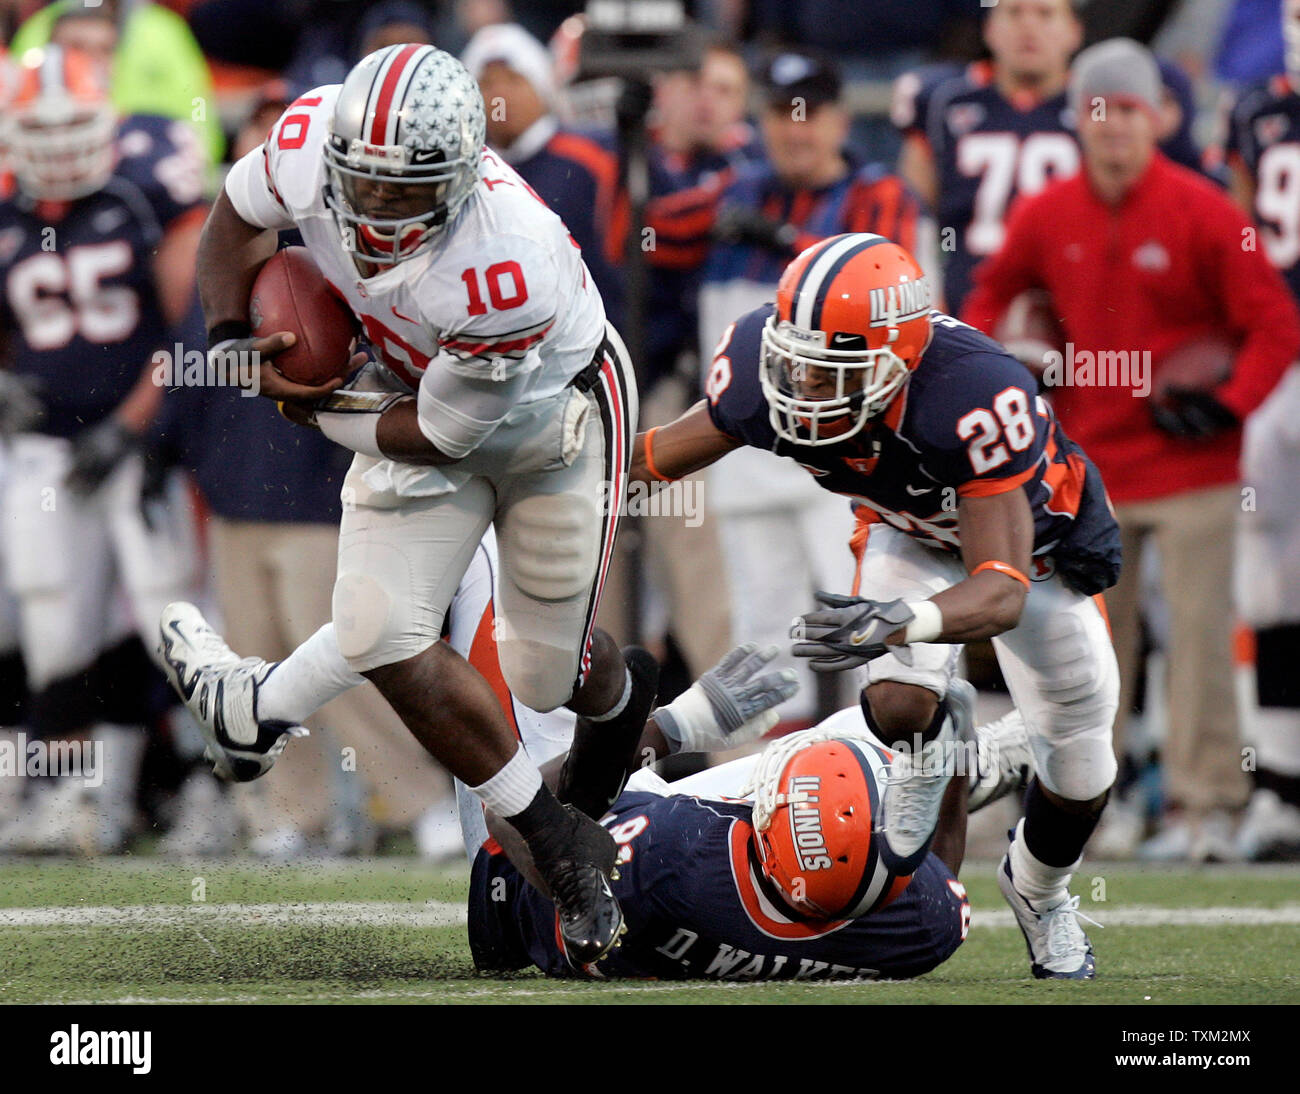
(1270,830)
(220,690)
(1058,948)
(1005,761)
(916,784)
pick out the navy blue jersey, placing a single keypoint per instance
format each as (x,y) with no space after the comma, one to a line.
(968,423)
(79,294)
(1264,138)
(986,150)
(867,199)
(697,907)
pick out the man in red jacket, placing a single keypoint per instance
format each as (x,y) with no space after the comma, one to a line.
(1140,258)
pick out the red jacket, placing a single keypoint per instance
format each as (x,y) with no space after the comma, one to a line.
(1175,260)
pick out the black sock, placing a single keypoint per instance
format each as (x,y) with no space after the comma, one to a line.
(1053,836)
(543,814)
(13,689)
(603,754)
(1286,787)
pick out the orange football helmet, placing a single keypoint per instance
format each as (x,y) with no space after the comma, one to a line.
(59,128)
(852,319)
(816,799)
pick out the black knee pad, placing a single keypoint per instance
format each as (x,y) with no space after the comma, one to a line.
(131,688)
(122,686)
(1277,652)
(65,706)
(13,689)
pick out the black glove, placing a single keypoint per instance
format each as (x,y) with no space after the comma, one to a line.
(159,459)
(746,227)
(96,452)
(21,408)
(1191,414)
(851,632)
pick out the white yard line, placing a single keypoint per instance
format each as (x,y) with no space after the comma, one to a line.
(435,913)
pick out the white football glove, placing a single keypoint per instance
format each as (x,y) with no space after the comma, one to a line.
(729,705)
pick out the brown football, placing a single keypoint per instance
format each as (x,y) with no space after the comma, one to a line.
(1201,364)
(291,294)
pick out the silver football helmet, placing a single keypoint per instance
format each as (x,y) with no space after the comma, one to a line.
(402,152)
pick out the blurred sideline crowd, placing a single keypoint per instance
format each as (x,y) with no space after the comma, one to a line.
(932,122)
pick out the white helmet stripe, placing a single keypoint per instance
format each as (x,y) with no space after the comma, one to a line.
(810,284)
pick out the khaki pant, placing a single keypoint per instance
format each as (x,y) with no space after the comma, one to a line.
(1193,532)
(274,582)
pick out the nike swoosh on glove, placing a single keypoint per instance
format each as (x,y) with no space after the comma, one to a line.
(850,632)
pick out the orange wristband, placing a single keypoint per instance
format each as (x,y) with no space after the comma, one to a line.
(1002,568)
(650,456)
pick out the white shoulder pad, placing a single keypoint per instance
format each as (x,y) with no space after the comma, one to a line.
(292,166)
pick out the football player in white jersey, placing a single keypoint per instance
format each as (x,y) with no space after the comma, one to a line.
(499,395)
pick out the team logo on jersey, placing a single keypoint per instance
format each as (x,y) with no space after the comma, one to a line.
(1270,129)
(863,466)
(964,117)
(1151,256)
(895,304)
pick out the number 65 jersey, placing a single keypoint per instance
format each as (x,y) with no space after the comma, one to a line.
(968,423)
(503,291)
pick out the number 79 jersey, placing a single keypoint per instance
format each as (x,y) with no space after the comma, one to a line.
(968,424)
(987,150)
(502,292)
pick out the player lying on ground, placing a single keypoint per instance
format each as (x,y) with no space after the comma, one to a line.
(499,395)
(772,867)
(978,518)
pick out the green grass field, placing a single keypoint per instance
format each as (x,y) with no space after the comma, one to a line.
(390,931)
